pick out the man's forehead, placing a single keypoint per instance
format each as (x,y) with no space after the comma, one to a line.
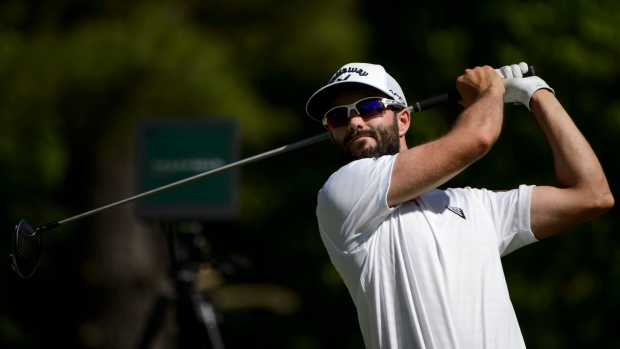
(355,95)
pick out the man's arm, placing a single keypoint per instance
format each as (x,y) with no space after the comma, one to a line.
(582,193)
(427,166)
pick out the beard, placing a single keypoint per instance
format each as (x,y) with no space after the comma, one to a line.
(388,143)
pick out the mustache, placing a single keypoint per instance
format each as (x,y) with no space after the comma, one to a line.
(368,132)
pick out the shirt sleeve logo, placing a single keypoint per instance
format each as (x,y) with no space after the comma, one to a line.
(457,210)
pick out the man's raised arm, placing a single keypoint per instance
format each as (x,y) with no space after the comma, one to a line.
(582,192)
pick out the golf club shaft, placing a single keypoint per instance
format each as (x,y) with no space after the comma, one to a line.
(246,161)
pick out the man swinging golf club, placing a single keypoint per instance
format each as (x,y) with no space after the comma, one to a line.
(423,265)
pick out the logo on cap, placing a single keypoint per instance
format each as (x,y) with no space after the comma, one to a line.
(336,77)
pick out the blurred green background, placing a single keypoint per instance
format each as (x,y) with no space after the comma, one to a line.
(77,76)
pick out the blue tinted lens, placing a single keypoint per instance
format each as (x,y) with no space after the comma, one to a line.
(370,107)
(366,108)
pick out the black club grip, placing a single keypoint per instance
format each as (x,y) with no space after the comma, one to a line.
(453,95)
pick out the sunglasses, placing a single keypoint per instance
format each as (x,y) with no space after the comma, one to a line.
(366,107)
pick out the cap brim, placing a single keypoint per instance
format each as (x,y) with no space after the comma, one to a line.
(319,102)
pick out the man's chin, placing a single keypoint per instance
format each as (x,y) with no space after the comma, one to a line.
(362,143)
(357,154)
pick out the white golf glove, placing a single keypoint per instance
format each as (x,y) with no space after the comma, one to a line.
(519,90)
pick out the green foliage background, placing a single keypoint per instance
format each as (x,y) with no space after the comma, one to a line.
(75,77)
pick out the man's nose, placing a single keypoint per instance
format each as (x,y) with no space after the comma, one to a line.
(355,120)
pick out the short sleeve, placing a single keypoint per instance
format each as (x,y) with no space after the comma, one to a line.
(510,213)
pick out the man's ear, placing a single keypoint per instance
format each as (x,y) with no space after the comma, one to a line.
(404,120)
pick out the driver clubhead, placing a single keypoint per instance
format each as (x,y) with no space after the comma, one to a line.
(26,249)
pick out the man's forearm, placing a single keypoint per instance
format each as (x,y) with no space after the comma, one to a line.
(484,117)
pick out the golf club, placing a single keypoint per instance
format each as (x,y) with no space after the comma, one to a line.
(26,241)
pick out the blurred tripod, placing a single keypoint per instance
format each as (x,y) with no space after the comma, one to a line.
(196,317)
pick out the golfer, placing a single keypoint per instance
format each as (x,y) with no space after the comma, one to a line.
(423,265)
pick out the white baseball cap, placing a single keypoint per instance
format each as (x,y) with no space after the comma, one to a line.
(350,76)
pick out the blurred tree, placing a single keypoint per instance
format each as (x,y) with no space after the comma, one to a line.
(77,76)
(76,79)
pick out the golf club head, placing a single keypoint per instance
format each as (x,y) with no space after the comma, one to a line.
(26,249)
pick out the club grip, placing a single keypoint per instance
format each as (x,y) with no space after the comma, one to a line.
(432,102)
(531,71)
(453,95)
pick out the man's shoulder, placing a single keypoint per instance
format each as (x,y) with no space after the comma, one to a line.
(369,161)
(359,175)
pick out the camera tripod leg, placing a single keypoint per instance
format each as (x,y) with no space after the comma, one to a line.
(196,318)
(206,314)
(158,313)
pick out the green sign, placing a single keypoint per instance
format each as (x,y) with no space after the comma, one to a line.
(174,150)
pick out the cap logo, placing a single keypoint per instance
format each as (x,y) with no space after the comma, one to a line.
(350,70)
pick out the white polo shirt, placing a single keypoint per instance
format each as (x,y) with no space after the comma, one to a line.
(427,273)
